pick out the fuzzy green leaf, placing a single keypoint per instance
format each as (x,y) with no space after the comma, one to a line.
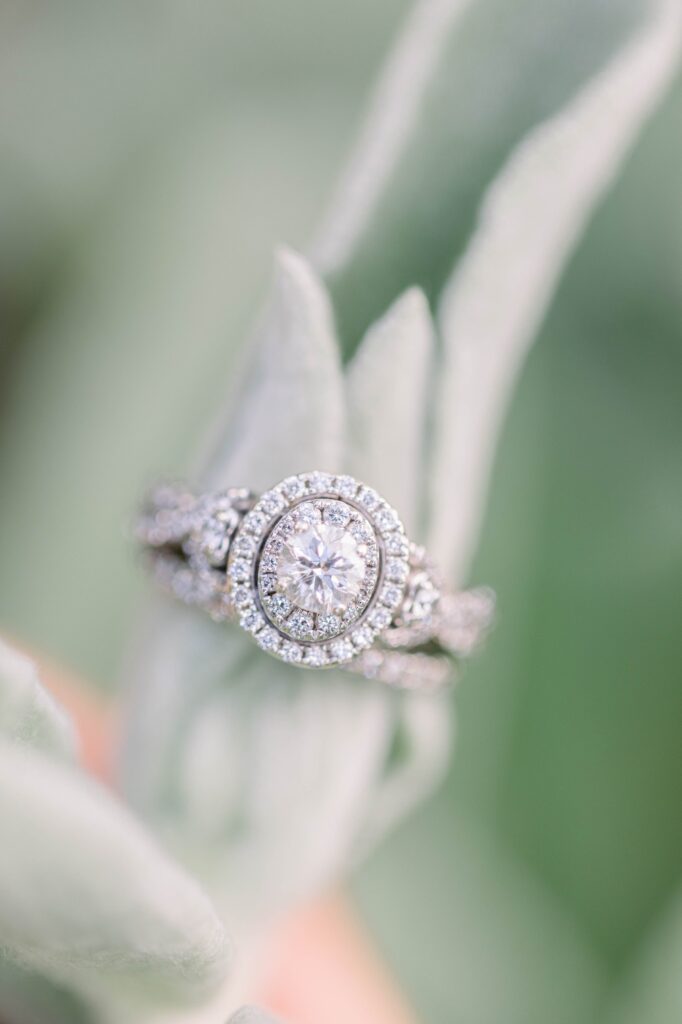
(88,899)
(530,222)
(28,714)
(290,417)
(388,388)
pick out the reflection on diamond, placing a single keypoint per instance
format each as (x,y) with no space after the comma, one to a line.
(321,568)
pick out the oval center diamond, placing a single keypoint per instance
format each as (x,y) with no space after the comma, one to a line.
(321,569)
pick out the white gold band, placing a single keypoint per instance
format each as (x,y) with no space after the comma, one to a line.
(320,572)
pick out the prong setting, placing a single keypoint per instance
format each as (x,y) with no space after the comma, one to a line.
(307,570)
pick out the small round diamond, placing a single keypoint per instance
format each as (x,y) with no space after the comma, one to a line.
(279,606)
(328,625)
(293,487)
(380,618)
(245,545)
(300,624)
(320,483)
(315,657)
(240,569)
(251,620)
(387,519)
(337,514)
(291,652)
(241,595)
(342,650)
(360,531)
(268,582)
(369,499)
(307,513)
(271,502)
(268,639)
(391,596)
(345,486)
(362,637)
(396,570)
(397,544)
(254,522)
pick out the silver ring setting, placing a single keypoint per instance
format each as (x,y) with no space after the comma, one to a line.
(318,568)
(319,571)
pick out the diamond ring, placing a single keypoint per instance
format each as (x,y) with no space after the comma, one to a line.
(320,572)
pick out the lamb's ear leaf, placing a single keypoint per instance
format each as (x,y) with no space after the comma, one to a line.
(290,416)
(28,713)
(464,85)
(388,385)
(529,224)
(33,999)
(268,778)
(651,989)
(88,899)
(252,1015)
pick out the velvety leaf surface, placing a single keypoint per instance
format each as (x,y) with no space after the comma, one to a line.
(530,220)
(651,990)
(29,998)
(88,899)
(28,714)
(497,70)
(388,386)
(246,766)
(252,1015)
(290,416)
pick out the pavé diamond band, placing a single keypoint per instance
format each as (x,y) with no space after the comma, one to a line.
(319,570)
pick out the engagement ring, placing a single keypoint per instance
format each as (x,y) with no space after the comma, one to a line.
(320,572)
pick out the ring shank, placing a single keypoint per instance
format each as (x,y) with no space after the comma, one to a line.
(187,539)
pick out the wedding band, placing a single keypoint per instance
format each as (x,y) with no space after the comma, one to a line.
(320,572)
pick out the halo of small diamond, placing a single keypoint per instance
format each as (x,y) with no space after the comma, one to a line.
(318,623)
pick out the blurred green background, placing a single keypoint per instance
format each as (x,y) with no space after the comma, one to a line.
(151,155)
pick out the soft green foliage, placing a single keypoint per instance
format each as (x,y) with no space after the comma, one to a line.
(388,438)
(28,714)
(251,1015)
(549,186)
(86,896)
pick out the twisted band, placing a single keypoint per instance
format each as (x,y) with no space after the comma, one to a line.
(319,571)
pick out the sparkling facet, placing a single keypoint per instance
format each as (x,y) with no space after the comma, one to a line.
(240,570)
(315,657)
(320,568)
(397,570)
(391,596)
(362,637)
(279,605)
(328,625)
(396,544)
(242,595)
(337,514)
(293,486)
(307,513)
(380,618)
(342,650)
(268,639)
(291,652)
(320,482)
(346,486)
(300,624)
(251,621)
